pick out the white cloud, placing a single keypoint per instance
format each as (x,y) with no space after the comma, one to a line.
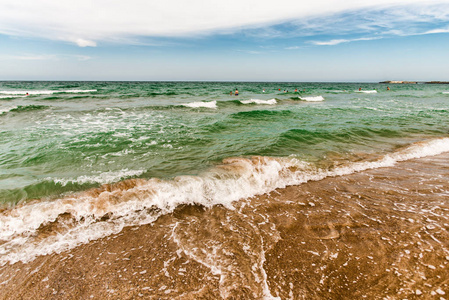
(87,22)
(340,41)
(85,43)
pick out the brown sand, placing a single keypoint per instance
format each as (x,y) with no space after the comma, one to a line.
(379,234)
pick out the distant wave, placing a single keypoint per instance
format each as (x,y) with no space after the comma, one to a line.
(258,101)
(4,110)
(103,211)
(367,92)
(211,104)
(44,92)
(312,99)
(23,108)
(11,97)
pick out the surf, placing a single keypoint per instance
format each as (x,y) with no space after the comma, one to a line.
(106,210)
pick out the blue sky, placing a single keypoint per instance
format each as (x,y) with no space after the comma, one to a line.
(244,40)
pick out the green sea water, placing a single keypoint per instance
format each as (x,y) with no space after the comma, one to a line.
(65,137)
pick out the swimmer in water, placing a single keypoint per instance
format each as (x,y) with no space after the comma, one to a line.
(236,92)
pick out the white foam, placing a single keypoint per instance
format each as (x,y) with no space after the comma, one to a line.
(102,178)
(367,92)
(145,200)
(77,91)
(312,99)
(445,92)
(44,92)
(258,101)
(211,104)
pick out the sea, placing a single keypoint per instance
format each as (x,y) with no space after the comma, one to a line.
(184,190)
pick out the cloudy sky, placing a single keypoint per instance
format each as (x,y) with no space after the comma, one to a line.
(251,40)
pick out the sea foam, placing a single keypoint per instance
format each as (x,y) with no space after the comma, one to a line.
(211,104)
(258,101)
(44,92)
(312,99)
(101,178)
(107,210)
(367,92)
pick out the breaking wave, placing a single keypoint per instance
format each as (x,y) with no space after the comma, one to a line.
(367,92)
(211,104)
(99,212)
(312,99)
(258,101)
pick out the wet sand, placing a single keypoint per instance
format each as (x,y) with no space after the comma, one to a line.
(378,234)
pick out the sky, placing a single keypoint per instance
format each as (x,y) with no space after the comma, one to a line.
(232,40)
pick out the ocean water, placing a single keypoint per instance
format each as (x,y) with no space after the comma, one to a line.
(81,161)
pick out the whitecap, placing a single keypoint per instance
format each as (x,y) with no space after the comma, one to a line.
(258,101)
(312,99)
(367,92)
(211,104)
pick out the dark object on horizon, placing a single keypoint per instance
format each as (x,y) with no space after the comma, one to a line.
(437,82)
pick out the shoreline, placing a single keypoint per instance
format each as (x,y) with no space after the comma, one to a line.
(378,233)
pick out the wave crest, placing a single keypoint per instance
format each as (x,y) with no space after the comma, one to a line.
(312,99)
(211,104)
(258,101)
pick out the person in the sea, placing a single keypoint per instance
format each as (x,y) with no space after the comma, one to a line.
(360,88)
(263,91)
(230,94)
(296,90)
(27,94)
(236,92)
(388,88)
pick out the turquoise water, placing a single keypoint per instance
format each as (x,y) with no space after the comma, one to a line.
(71,136)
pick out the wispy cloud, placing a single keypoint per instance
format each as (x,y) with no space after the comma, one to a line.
(78,21)
(340,41)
